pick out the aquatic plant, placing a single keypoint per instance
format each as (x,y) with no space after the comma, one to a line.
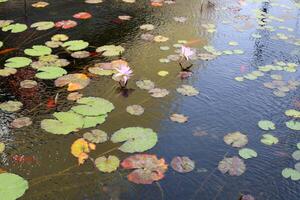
(123,74)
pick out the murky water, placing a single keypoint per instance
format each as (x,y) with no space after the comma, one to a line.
(223,105)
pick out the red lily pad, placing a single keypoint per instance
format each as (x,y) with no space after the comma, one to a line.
(147,168)
(82,15)
(65,24)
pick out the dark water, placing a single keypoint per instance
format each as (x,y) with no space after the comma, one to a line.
(223,105)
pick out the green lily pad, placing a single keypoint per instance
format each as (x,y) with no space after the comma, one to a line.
(43,25)
(15,28)
(291,173)
(69,118)
(17,62)
(1,44)
(75,45)
(292,113)
(50,72)
(93,106)
(12,186)
(294,125)
(266,125)
(145,84)
(92,121)
(109,164)
(247,153)
(57,127)
(296,155)
(11,106)
(269,139)
(136,139)
(38,50)
(110,50)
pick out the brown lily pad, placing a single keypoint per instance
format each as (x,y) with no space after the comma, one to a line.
(21,122)
(182,164)
(74,81)
(178,118)
(236,139)
(234,166)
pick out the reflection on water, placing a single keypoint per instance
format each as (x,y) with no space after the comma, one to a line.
(224,105)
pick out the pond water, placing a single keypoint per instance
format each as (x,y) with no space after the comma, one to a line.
(262,33)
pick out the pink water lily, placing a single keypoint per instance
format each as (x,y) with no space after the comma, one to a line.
(187,52)
(123,74)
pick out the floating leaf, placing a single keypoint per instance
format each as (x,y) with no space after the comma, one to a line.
(296,155)
(66,24)
(21,122)
(187,90)
(110,50)
(43,25)
(57,127)
(182,164)
(75,45)
(147,27)
(294,125)
(109,164)
(74,81)
(80,149)
(7,71)
(136,139)
(80,54)
(11,106)
(27,84)
(266,125)
(102,69)
(12,186)
(269,139)
(59,38)
(38,50)
(135,110)
(15,28)
(247,153)
(178,118)
(147,168)
(82,15)
(50,72)
(163,73)
(92,121)
(1,44)
(145,84)
(247,197)
(74,96)
(40,4)
(158,92)
(93,106)
(292,113)
(17,62)
(236,139)
(96,136)
(233,165)
(160,38)
(291,173)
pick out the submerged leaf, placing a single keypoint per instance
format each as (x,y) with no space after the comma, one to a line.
(136,139)
(182,164)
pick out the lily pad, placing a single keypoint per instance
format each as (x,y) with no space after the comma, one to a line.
(291,173)
(92,121)
(182,164)
(145,84)
(236,139)
(93,106)
(269,139)
(57,127)
(50,72)
(102,69)
(11,106)
(96,136)
(38,50)
(147,168)
(21,122)
(179,118)
(136,139)
(74,81)
(75,45)
(17,62)
(296,155)
(233,165)
(74,96)
(2,147)
(247,153)
(43,25)
(135,110)
(266,125)
(109,164)
(110,50)
(294,125)
(158,92)
(15,28)
(27,84)
(12,186)
(7,71)
(292,113)
(187,90)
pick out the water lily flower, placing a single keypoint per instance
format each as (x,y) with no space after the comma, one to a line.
(186,52)
(123,74)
